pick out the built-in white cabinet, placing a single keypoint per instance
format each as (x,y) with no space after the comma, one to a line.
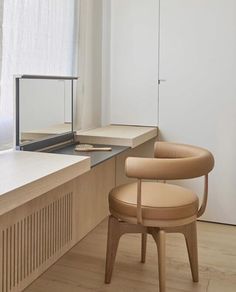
(198,99)
(197,103)
(133,64)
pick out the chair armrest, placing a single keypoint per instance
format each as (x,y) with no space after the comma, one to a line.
(141,168)
(204,199)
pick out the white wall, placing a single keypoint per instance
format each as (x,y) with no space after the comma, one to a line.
(133,88)
(100,98)
(88,108)
(106,63)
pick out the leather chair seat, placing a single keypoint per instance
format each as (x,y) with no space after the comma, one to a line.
(159,201)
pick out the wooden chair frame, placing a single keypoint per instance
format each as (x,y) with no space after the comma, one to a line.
(171,161)
(117,227)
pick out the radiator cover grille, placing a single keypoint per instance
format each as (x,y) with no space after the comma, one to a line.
(31,242)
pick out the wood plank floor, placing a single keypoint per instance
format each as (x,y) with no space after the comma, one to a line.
(82,269)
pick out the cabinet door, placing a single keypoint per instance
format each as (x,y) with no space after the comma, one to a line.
(198,100)
(134,62)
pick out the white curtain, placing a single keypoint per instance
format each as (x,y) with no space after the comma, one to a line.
(38,37)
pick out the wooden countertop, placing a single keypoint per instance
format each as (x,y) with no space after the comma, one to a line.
(27,175)
(131,136)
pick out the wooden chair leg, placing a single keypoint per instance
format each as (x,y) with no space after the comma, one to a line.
(160,239)
(144,247)
(112,245)
(190,235)
(116,229)
(161,244)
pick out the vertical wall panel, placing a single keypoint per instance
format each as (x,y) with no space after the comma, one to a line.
(197,101)
(134,62)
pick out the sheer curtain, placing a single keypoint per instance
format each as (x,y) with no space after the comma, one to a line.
(38,37)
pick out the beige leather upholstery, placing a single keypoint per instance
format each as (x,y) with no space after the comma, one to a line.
(159,201)
(151,207)
(172,161)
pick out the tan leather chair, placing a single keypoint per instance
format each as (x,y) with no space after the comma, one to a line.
(159,208)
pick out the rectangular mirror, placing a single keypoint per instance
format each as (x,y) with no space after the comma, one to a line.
(44,107)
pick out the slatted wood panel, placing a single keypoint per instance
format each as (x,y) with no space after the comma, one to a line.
(29,243)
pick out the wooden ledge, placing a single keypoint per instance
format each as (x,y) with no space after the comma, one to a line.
(131,136)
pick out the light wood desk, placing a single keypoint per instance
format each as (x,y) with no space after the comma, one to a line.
(48,202)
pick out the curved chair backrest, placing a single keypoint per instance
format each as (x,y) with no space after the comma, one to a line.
(186,161)
(172,161)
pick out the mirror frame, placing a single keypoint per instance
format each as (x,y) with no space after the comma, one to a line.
(45,142)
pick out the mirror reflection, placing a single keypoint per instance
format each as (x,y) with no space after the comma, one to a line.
(45,108)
